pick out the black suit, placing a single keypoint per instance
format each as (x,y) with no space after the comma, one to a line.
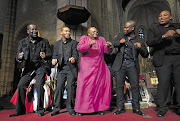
(67,72)
(34,66)
(166,59)
(132,71)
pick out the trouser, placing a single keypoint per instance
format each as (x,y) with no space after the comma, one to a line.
(133,77)
(23,84)
(168,72)
(65,75)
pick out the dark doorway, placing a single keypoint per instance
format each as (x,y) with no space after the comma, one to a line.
(18,66)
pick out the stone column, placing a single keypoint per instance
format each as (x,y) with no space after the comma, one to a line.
(106,15)
(8,55)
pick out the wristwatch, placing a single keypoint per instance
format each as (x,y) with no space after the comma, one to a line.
(163,36)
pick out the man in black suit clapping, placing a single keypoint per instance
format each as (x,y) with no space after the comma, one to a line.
(35,51)
(165,42)
(126,64)
(66,55)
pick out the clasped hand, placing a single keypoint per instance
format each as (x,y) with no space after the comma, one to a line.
(109,44)
(137,44)
(170,33)
(20,56)
(72,59)
(92,43)
(42,54)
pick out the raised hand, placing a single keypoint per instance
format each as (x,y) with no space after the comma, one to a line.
(169,33)
(42,54)
(20,56)
(108,44)
(122,40)
(72,59)
(92,43)
(178,31)
(137,44)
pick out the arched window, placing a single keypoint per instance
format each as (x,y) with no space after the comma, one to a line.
(141,33)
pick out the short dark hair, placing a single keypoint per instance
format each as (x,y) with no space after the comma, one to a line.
(64,27)
(29,25)
(168,11)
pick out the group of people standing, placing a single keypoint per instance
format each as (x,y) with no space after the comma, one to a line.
(93,92)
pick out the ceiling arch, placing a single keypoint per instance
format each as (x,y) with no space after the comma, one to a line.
(146,12)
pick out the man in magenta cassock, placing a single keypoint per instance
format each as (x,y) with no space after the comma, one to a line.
(94,80)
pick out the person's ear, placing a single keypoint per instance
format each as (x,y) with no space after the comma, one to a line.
(28,31)
(133,28)
(170,17)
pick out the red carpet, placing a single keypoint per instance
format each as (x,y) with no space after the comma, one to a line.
(64,116)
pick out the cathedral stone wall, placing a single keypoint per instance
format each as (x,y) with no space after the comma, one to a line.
(20,13)
(40,12)
(3,13)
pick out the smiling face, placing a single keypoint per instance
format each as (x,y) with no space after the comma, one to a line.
(128,28)
(93,32)
(32,31)
(164,17)
(66,32)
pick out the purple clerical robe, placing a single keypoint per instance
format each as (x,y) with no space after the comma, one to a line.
(94,80)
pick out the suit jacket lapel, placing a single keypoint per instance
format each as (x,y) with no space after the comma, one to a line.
(122,48)
(133,47)
(69,47)
(61,49)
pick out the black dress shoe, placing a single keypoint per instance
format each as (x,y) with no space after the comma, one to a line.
(72,113)
(34,111)
(119,111)
(41,114)
(100,113)
(161,114)
(138,112)
(49,108)
(15,114)
(80,114)
(54,113)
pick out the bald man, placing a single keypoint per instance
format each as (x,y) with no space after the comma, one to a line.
(65,54)
(94,80)
(35,51)
(126,64)
(165,42)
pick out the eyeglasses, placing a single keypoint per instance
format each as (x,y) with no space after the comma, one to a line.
(95,32)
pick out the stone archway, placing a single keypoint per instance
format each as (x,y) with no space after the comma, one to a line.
(18,35)
(144,12)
